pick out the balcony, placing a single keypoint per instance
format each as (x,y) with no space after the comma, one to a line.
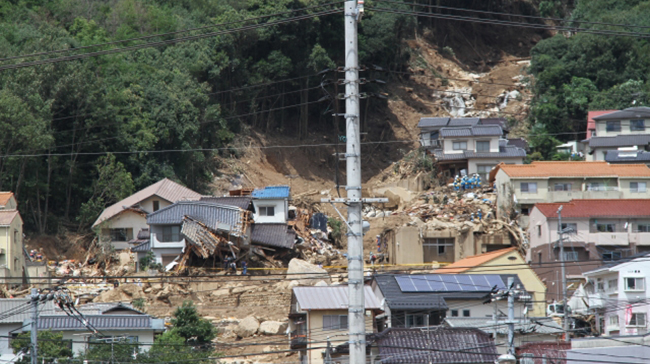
(602,192)
(607,238)
(641,238)
(563,196)
(431,143)
(155,243)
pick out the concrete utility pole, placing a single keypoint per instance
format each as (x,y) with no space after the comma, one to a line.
(356,307)
(510,358)
(560,233)
(34,331)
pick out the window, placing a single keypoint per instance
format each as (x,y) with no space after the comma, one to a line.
(121,234)
(571,256)
(637,319)
(594,186)
(434,249)
(171,233)
(528,187)
(267,210)
(562,187)
(643,228)
(483,146)
(634,284)
(525,211)
(539,258)
(539,230)
(613,125)
(613,321)
(156,205)
(637,187)
(606,228)
(610,256)
(465,313)
(600,285)
(612,286)
(415,320)
(459,145)
(571,225)
(335,322)
(454,313)
(637,125)
(484,172)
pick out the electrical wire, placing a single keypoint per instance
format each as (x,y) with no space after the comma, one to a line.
(166,42)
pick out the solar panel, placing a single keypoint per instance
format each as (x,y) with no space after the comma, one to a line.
(405,284)
(466,282)
(495,280)
(435,283)
(451,284)
(421,283)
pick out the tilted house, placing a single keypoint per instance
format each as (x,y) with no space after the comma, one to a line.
(121,222)
(199,228)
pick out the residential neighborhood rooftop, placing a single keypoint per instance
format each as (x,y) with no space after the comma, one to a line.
(7,216)
(537,325)
(165,188)
(243,202)
(210,214)
(591,123)
(398,299)
(4,197)
(428,122)
(618,156)
(539,169)
(271,192)
(626,140)
(476,130)
(468,263)
(629,113)
(597,208)
(274,235)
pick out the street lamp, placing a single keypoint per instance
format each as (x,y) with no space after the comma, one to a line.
(507,359)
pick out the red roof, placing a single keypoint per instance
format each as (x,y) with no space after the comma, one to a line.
(597,208)
(4,197)
(554,350)
(591,123)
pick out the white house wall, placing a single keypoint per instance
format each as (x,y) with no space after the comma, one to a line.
(5,331)
(281,207)
(478,309)
(473,163)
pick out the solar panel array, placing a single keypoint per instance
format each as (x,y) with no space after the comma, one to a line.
(449,282)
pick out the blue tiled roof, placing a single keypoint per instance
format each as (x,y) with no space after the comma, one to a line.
(272,192)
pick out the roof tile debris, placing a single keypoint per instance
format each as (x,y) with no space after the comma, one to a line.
(597,208)
(273,235)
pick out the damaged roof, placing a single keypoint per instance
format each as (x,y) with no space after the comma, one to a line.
(274,235)
(215,217)
(436,345)
(243,202)
(165,189)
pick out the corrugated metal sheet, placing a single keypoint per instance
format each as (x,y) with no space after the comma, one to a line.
(101,322)
(272,192)
(436,345)
(546,324)
(620,141)
(275,235)
(165,189)
(216,217)
(21,309)
(243,202)
(331,298)
(398,300)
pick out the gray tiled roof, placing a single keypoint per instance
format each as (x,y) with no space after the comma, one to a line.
(628,140)
(243,202)
(463,122)
(519,143)
(614,156)
(432,122)
(504,152)
(142,247)
(533,325)
(629,113)
(274,235)
(101,322)
(436,345)
(398,300)
(502,122)
(21,309)
(477,130)
(216,217)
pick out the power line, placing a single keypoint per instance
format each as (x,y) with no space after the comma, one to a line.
(166,42)
(165,34)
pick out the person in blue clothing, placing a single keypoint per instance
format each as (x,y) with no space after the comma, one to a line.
(244,268)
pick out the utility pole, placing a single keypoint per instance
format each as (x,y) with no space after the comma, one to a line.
(511,316)
(356,301)
(34,332)
(560,233)
(356,308)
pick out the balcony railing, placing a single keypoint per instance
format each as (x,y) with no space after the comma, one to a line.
(431,143)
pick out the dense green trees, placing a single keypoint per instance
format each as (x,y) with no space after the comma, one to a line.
(81,134)
(589,72)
